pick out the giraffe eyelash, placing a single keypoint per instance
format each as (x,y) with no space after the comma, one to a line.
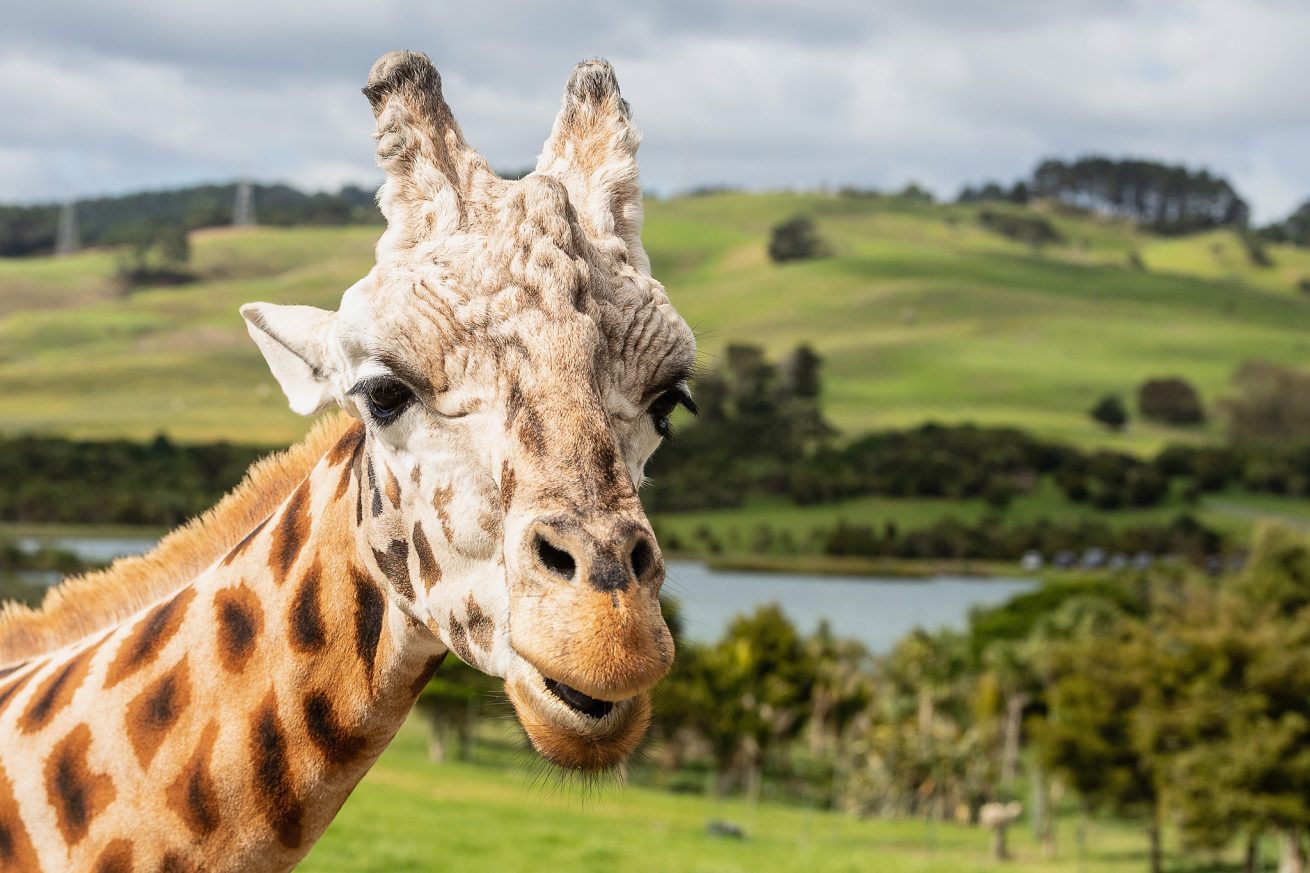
(385,397)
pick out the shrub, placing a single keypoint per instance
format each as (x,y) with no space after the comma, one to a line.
(1171,400)
(1020,227)
(796,239)
(1110,412)
(1255,250)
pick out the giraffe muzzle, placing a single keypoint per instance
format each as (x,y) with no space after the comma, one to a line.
(574,730)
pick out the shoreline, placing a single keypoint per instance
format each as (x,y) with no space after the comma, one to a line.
(876,568)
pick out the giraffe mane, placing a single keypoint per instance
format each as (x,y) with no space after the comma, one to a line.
(81,605)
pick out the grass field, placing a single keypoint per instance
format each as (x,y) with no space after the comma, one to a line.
(1234,513)
(410,815)
(920,312)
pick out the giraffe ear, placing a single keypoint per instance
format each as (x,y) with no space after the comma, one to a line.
(294,341)
(592,149)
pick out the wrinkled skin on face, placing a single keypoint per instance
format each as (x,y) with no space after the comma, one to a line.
(514,364)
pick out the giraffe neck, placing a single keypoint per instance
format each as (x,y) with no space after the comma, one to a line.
(234,717)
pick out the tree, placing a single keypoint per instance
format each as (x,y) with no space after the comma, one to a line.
(842,688)
(1110,412)
(1228,720)
(796,239)
(152,254)
(1098,685)
(916,192)
(1168,198)
(1269,404)
(749,693)
(1171,400)
(1294,229)
(803,428)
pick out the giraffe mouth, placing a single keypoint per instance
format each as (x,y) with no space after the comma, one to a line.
(572,729)
(577,701)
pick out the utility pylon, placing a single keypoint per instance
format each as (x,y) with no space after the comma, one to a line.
(243,210)
(67,239)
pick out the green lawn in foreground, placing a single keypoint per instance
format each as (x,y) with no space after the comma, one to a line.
(410,815)
(920,312)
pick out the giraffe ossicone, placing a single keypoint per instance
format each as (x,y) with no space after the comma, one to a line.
(503,373)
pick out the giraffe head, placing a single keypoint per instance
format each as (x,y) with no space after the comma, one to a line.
(514,364)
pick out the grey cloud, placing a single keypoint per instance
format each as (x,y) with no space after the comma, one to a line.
(99,97)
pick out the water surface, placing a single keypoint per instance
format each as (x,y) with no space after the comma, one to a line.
(876,611)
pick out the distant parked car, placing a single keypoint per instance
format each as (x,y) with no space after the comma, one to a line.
(1094,558)
(1032,561)
(1065,559)
(1118,561)
(1142,561)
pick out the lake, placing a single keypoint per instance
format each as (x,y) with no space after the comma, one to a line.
(876,611)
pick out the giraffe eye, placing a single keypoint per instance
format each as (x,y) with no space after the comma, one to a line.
(387,398)
(664,405)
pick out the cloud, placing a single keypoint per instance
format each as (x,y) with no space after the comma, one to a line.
(98,97)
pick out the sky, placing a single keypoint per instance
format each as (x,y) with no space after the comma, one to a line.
(100,97)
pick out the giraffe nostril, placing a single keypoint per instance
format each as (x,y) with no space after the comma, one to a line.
(642,558)
(555,560)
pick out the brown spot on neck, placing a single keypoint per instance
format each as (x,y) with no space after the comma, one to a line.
(370,608)
(16,851)
(306,617)
(116,858)
(425,675)
(344,449)
(240,621)
(192,795)
(15,685)
(149,637)
(240,548)
(172,862)
(76,794)
(274,786)
(154,712)
(336,743)
(346,453)
(57,690)
(290,534)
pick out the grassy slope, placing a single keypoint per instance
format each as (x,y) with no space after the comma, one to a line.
(920,313)
(409,815)
(1235,513)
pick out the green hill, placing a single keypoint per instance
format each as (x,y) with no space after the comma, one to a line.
(921,313)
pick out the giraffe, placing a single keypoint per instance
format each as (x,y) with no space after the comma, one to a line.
(501,376)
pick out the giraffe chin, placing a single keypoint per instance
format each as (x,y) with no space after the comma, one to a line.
(571,739)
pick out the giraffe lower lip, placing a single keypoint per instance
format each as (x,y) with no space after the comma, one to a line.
(577,701)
